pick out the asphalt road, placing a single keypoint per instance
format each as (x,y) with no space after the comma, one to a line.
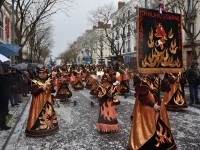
(78,126)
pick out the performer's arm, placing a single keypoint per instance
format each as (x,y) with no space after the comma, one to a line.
(165,86)
(142,93)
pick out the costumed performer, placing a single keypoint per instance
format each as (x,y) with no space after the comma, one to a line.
(150,128)
(174,99)
(42,119)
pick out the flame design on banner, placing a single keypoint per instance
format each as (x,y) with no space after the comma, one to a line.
(159,42)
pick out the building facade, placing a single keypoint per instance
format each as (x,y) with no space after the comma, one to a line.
(124,20)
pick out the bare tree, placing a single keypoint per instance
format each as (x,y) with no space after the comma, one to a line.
(41,42)
(71,52)
(90,43)
(121,29)
(190,9)
(1,3)
(30,12)
(44,43)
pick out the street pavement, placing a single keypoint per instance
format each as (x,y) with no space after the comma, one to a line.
(78,126)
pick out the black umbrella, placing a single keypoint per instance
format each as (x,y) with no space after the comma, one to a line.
(20,66)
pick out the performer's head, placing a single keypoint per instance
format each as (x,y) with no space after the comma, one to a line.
(194,64)
(54,69)
(64,66)
(42,73)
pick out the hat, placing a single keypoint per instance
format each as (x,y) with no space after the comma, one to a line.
(194,62)
(41,68)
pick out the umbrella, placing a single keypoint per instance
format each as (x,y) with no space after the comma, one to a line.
(20,66)
(40,66)
(33,64)
(5,64)
(3,58)
(9,49)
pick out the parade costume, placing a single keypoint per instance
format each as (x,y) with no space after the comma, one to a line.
(42,119)
(54,76)
(107,120)
(89,82)
(150,129)
(174,100)
(78,83)
(64,90)
(89,79)
(125,80)
(116,79)
(94,87)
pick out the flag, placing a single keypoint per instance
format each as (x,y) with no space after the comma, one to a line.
(161,8)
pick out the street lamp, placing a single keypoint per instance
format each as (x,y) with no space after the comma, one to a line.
(101,45)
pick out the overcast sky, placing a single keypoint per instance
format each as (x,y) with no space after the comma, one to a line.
(68,29)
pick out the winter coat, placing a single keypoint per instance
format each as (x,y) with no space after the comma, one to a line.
(5,90)
(191,73)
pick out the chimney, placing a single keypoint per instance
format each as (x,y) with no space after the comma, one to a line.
(94,27)
(100,24)
(120,5)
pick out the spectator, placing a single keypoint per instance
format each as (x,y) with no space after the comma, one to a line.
(25,83)
(192,75)
(5,93)
(14,89)
(7,73)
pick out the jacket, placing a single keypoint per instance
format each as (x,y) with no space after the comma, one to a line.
(191,73)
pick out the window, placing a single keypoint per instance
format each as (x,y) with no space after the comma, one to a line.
(113,24)
(129,45)
(124,50)
(129,30)
(192,28)
(1,25)
(118,46)
(123,21)
(129,12)
(190,4)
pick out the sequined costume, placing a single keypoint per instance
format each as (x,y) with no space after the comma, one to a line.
(124,84)
(150,129)
(64,90)
(78,83)
(107,120)
(42,119)
(174,100)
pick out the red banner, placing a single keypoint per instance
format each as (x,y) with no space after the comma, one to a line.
(7,27)
(159,42)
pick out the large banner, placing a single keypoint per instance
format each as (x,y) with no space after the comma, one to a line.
(159,42)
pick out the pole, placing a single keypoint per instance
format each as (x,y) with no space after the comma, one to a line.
(101,54)
(12,28)
(145,3)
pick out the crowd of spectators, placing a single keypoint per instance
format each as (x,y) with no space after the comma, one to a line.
(13,86)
